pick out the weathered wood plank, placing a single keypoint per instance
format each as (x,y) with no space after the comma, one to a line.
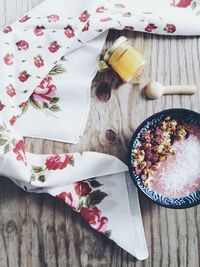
(36,230)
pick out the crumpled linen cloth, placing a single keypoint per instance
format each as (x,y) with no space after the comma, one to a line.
(48,60)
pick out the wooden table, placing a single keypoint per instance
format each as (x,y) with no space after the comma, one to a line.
(37,230)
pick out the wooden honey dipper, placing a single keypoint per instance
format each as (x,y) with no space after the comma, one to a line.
(155,90)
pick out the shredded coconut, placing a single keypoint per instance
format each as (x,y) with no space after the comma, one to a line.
(184,170)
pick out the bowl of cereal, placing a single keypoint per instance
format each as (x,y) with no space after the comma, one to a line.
(164,158)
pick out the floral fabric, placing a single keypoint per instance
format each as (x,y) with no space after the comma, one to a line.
(48,60)
(39,51)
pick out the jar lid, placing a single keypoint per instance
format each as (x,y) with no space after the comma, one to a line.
(115,45)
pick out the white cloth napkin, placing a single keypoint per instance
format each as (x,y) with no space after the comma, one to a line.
(44,43)
(96,185)
(48,60)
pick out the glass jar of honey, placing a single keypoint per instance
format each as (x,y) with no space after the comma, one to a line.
(125,59)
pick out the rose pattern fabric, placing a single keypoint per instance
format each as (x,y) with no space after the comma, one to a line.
(23,76)
(19,150)
(45,90)
(58,162)
(150,27)
(24,19)
(8,59)
(32,60)
(53,18)
(170,28)
(69,31)
(38,31)
(194,4)
(7,29)
(44,96)
(88,197)
(22,45)
(11,91)
(1,106)
(93,217)
(181,3)
(38,61)
(67,198)
(52,163)
(82,189)
(13,120)
(85,17)
(53,47)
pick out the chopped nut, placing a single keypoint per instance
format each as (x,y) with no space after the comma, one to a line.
(155,166)
(148,172)
(181,134)
(135,163)
(159,148)
(162,158)
(140,155)
(143,165)
(172,150)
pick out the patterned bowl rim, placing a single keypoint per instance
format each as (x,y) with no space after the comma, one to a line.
(187,201)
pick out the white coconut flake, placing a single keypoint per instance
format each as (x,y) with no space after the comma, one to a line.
(184,170)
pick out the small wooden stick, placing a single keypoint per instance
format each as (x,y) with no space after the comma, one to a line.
(155,90)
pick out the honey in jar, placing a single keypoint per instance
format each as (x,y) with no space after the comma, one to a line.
(125,59)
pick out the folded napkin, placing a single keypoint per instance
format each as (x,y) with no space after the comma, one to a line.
(49,57)
(96,185)
(48,60)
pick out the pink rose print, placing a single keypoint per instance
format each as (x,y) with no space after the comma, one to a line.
(86,27)
(131,28)
(11,91)
(181,3)
(23,105)
(82,189)
(69,32)
(45,91)
(13,120)
(67,198)
(100,9)
(58,162)
(105,19)
(7,29)
(38,61)
(170,28)
(54,46)
(19,149)
(84,16)
(53,18)
(119,5)
(22,45)
(2,106)
(23,76)
(150,27)
(8,59)
(93,217)
(38,31)
(24,19)
(62,196)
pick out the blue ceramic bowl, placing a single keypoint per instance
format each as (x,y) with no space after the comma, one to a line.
(189,117)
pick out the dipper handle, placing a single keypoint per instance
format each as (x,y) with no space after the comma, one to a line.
(179,90)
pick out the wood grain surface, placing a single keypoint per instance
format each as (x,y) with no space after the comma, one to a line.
(37,230)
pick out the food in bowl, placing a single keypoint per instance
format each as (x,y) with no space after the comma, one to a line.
(167,157)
